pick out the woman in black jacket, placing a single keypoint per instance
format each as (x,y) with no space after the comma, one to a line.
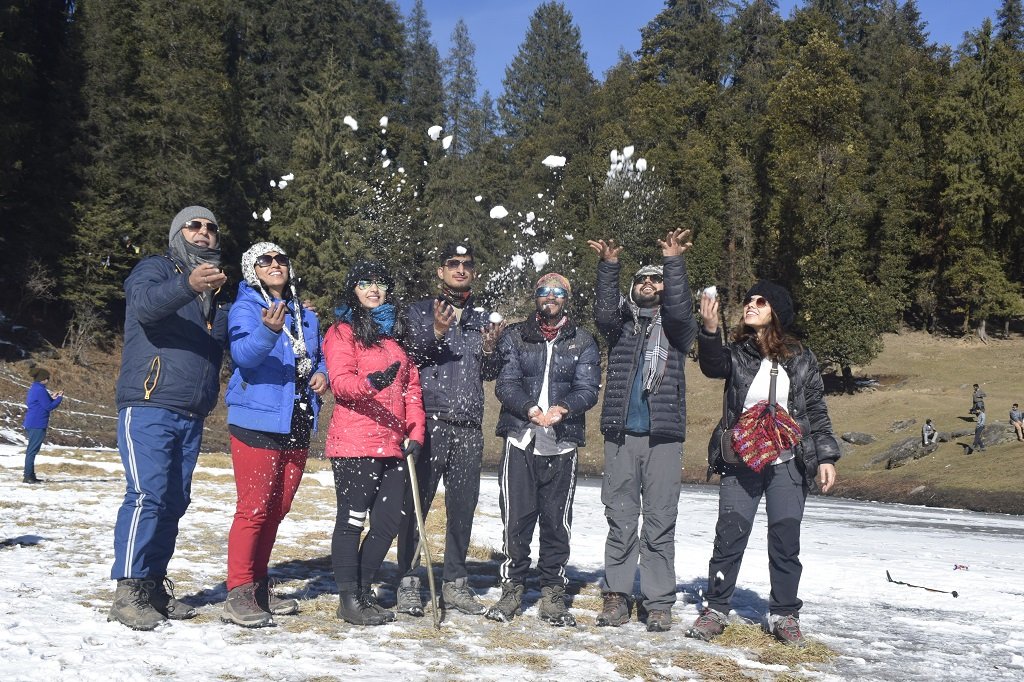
(761,341)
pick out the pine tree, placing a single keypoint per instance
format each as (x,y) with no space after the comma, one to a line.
(1011,24)
(460,88)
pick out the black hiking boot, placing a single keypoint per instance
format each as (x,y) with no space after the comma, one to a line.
(131,606)
(552,608)
(709,624)
(370,597)
(615,611)
(242,609)
(407,596)
(271,603)
(354,609)
(508,606)
(161,596)
(459,595)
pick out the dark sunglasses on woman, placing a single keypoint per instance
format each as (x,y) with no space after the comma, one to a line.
(265,260)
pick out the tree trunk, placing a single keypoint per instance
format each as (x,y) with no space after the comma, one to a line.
(848,379)
(981,331)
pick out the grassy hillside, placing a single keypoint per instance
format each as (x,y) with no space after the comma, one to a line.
(917,377)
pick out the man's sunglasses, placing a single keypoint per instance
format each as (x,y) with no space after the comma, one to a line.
(759,301)
(639,279)
(544,292)
(265,260)
(365,284)
(196,225)
(454,263)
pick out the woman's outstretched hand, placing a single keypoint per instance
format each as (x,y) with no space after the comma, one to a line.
(709,313)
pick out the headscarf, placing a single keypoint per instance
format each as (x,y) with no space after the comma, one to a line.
(303,363)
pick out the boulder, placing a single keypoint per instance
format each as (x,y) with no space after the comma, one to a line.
(858,438)
(902,425)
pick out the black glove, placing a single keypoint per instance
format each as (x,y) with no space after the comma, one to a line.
(412,448)
(383,379)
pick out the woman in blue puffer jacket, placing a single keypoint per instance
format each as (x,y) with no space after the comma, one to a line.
(273,400)
(39,404)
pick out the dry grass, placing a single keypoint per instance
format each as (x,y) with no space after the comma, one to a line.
(769,650)
(630,664)
(710,668)
(527,660)
(72,469)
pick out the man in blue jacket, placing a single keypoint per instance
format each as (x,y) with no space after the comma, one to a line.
(175,332)
(644,424)
(550,376)
(453,345)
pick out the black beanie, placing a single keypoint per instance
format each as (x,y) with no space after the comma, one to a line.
(39,374)
(368,270)
(779,299)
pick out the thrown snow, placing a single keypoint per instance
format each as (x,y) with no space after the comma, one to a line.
(518,262)
(266,215)
(627,152)
(447,141)
(350,122)
(553,161)
(530,215)
(711,291)
(434,132)
(288,177)
(282,184)
(498,212)
(273,183)
(495,318)
(461,250)
(540,259)
(386,163)
(383,121)
(478,198)
(626,194)
(641,165)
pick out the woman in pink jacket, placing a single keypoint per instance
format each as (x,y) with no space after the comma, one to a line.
(378,419)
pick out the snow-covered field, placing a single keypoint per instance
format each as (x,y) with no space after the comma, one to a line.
(55,592)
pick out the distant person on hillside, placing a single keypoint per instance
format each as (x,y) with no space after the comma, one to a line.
(929,434)
(273,400)
(175,332)
(453,344)
(979,429)
(39,403)
(778,442)
(1017,419)
(977,400)
(550,377)
(643,420)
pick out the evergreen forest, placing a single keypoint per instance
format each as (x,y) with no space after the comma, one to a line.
(838,151)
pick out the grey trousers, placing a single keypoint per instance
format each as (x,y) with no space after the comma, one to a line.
(641,477)
(739,495)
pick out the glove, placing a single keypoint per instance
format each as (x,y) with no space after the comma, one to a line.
(383,379)
(412,448)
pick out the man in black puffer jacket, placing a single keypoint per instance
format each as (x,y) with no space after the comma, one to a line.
(550,377)
(644,424)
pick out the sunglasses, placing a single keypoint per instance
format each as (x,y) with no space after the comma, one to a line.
(639,279)
(265,260)
(759,301)
(196,225)
(365,284)
(544,292)
(454,263)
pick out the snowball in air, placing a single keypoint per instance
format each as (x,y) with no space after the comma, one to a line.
(627,152)
(266,216)
(273,183)
(255,215)
(383,121)
(518,262)
(530,216)
(495,318)
(553,161)
(387,162)
(447,141)
(289,177)
(614,155)
(282,184)
(498,212)
(434,132)
(626,194)
(478,198)
(350,122)
(540,259)
(641,165)
(460,250)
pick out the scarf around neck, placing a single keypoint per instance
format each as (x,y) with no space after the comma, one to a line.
(550,331)
(383,315)
(456,299)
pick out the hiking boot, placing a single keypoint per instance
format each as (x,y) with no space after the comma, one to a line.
(271,603)
(552,607)
(615,611)
(242,609)
(709,624)
(659,620)
(508,606)
(408,598)
(161,596)
(353,608)
(131,606)
(370,597)
(31,480)
(457,594)
(786,629)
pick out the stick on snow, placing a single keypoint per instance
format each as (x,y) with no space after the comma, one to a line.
(920,587)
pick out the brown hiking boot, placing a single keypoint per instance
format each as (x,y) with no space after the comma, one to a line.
(131,606)
(709,624)
(161,596)
(242,609)
(659,620)
(273,604)
(615,611)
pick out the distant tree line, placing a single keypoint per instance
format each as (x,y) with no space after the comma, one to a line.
(838,151)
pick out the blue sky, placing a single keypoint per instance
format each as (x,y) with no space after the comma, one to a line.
(497,27)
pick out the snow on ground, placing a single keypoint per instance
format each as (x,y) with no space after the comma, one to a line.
(56,554)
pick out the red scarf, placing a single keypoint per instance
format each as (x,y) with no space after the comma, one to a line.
(550,331)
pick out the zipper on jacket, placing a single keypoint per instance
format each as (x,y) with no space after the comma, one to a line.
(154,374)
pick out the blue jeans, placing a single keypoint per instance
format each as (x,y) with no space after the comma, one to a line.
(159,449)
(35,441)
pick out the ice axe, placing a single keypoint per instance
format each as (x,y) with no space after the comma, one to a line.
(423,546)
(920,587)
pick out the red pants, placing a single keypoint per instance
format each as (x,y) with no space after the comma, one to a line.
(266,481)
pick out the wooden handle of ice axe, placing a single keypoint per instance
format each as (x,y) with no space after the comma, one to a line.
(417,506)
